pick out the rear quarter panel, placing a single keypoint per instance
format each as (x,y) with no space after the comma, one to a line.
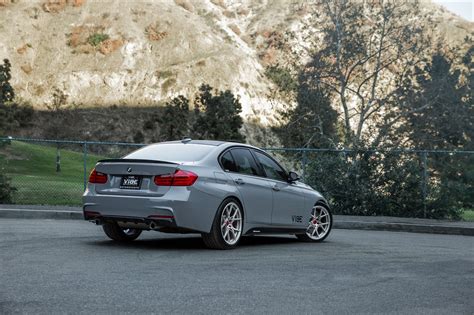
(211,188)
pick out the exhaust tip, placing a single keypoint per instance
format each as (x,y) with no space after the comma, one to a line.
(152,225)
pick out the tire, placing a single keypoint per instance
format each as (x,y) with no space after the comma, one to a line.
(319,225)
(227,227)
(116,233)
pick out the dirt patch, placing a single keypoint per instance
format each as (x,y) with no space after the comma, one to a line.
(4,3)
(78,3)
(243,12)
(27,68)
(21,50)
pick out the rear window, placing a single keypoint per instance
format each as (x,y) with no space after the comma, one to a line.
(172,152)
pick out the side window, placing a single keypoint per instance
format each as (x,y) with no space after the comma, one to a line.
(227,162)
(272,169)
(245,162)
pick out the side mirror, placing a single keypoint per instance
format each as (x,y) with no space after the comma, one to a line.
(293,177)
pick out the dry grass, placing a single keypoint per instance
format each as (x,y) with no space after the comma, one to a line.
(152,32)
(229,14)
(219,3)
(110,45)
(168,84)
(235,29)
(55,6)
(185,4)
(80,40)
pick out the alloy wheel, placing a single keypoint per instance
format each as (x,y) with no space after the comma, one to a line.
(319,223)
(231,223)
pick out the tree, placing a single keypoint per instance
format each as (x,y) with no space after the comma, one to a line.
(217,115)
(445,123)
(174,121)
(7,94)
(312,123)
(365,59)
(14,113)
(446,119)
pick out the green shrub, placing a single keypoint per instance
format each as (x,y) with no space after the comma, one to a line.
(97,38)
(6,190)
(15,115)
(282,77)
(389,184)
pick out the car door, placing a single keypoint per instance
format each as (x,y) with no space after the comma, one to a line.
(288,199)
(255,190)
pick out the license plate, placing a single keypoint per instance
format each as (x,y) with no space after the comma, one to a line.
(130,182)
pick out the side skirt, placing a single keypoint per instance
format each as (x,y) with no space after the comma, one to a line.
(273,230)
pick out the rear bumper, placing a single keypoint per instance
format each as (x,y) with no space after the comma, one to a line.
(182,208)
(150,223)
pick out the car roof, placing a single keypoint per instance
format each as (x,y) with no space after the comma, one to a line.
(203,142)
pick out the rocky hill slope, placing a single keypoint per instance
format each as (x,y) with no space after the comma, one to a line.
(137,53)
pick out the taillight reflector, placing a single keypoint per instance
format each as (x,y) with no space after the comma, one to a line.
(97,177)
(179,178)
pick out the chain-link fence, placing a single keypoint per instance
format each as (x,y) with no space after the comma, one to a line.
(52,172)
(414,183)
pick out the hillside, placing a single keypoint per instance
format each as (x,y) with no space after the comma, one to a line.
(137,53)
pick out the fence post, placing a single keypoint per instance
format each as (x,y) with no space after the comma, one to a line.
(425,180)
(303,162)
(84,146)
(58,158)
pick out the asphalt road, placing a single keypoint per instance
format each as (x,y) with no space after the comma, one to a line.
(49,266)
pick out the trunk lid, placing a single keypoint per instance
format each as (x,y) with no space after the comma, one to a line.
(125,171)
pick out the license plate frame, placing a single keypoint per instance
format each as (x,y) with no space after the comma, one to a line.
(131,182)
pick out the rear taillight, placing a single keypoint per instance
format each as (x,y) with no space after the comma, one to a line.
(179,178)
(97,177)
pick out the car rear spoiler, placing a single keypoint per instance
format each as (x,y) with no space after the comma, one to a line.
(134,161)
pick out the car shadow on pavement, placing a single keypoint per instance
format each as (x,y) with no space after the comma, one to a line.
(190,242)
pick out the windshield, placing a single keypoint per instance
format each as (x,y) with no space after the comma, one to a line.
(172,152)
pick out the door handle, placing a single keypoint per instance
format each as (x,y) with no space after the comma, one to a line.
(239,181)
(276,187)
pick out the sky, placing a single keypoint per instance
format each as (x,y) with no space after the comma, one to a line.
(463,8)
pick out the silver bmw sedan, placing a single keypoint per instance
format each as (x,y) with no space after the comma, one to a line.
(222,190)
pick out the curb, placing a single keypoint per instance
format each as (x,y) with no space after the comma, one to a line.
(40,214)
(338,224)
(404,227)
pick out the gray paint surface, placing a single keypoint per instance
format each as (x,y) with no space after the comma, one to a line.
(50,266)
